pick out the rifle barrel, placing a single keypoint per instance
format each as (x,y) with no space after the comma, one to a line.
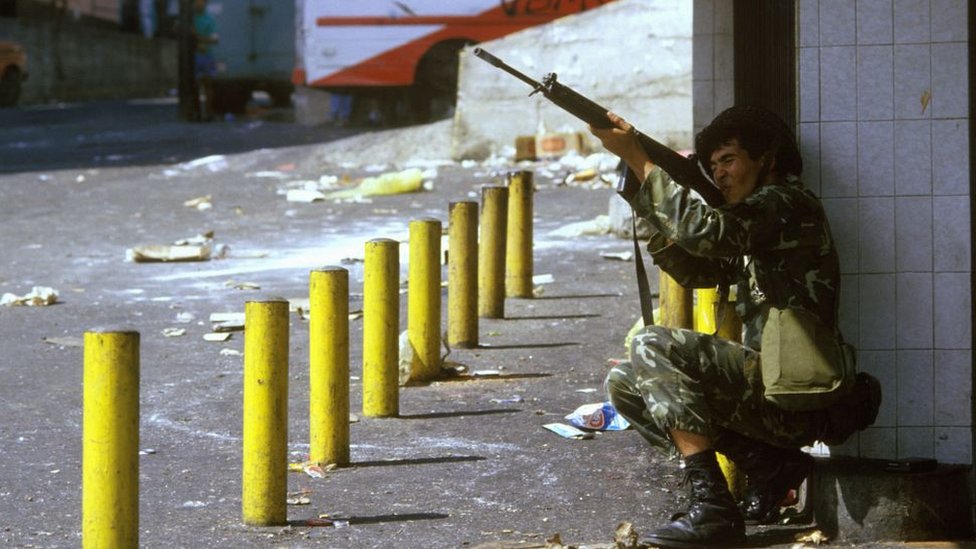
(507,68)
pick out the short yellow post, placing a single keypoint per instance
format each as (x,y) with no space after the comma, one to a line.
(491,251)
(328,411)
(265,460)
(706,317)
(424,299)
(381,328)
(518,250)
(462,275)
(676,304)
(110,447)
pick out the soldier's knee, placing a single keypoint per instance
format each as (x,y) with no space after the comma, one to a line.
(620,379)
(651,340)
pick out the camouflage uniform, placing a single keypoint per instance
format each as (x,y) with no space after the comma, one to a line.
(776,247)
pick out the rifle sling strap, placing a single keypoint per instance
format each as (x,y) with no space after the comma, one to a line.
(647,307)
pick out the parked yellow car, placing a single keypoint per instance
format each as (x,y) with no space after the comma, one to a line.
(13,72)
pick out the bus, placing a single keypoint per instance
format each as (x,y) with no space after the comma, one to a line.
(406,51)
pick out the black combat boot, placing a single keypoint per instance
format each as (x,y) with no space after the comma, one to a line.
(712,519)
(771,472)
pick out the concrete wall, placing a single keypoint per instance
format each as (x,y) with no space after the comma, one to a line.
(647,78)
(75,62)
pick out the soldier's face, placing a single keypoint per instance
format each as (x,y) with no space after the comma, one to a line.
(735,173)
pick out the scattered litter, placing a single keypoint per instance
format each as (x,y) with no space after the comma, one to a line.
(625,537)
(174,332)
(155,253)
(587,390)
(406,181)
(543,279)
(622,256)
(816,537)
(198,240)
(39,296)
(301,500)
(227,322)
(69,341)
(185,317)
(304,195)
(230,352)
(269,174)
(514,399)
(355,315)
(200,203)
(486,373)
(318,522)
(213,163)
(217,336)
(600,225)
(311,468)
(193,504)
(567,431)
(601,416)
(147,452)
(242,285)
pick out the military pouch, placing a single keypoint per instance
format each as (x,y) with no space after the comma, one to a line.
(805,365)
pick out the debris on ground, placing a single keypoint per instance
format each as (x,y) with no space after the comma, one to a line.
(567,431)
(620,256)
(625,537)
(174,332)
(227,322)
(165,253)
(815,537)
(406,181)
(201,203)
(68,341)
(598,226)
(217,336)
(599,416)
(196,248)
(39,296)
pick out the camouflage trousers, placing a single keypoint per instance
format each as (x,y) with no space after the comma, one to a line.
(690,381)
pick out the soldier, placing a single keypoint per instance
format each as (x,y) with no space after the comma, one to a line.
(698,393)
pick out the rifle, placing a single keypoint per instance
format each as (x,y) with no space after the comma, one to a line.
(682,170)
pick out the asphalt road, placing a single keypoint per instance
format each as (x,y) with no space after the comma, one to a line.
(467,462)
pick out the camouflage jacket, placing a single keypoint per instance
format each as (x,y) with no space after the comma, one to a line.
(775,247)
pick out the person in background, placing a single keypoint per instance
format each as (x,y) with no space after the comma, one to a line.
(204,66)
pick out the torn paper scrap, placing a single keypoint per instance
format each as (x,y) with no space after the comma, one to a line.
(567,431)
(39,296)
(158,253)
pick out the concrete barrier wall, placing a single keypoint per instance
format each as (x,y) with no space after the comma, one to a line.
(75,62)
(632,56)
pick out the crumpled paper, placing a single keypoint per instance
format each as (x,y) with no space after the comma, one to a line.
(39,296)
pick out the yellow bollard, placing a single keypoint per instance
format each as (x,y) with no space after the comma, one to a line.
(676,304)
(265,460)
(491,251)
(328,411)
(424,299)
(381,328)
(518,252)
(110,447)
(462,275)
(706,311)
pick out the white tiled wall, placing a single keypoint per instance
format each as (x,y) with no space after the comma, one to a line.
(883,125)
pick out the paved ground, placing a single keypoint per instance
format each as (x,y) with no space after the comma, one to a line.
(467,463)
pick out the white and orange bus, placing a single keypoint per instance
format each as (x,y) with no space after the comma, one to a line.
(410,46)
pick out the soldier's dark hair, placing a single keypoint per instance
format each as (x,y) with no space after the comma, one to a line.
(758,131)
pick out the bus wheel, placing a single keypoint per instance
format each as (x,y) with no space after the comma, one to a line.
(434,93)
